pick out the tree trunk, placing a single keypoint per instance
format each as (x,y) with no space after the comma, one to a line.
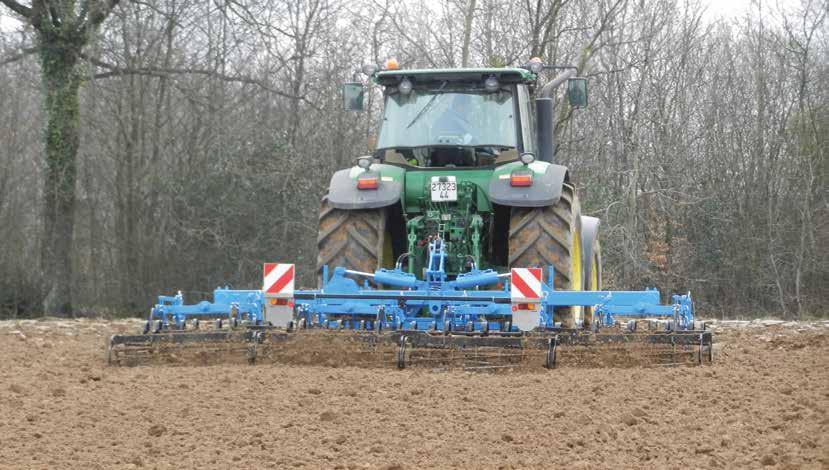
(61,81)
(467,32)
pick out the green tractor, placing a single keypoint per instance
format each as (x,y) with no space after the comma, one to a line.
(463,156)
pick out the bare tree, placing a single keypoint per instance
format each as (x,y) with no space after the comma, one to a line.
(63,29)
(189,141)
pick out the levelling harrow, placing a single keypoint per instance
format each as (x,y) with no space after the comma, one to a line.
(434,322)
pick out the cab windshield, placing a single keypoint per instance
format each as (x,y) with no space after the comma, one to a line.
(448,118)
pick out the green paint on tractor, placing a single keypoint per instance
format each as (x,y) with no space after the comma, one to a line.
(459,223)
(463,156)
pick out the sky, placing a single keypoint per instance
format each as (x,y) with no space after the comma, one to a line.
(715,9)
(726,8)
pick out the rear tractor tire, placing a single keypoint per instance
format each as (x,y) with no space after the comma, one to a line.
(354,239)
(551,236)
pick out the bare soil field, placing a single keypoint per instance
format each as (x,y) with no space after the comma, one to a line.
(762,403)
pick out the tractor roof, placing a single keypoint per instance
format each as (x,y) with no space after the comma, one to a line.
(504,75)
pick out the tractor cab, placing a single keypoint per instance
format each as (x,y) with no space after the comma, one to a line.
(453,117)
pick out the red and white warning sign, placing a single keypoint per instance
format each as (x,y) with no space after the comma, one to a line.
(525,285)
(279,280)
(525,294)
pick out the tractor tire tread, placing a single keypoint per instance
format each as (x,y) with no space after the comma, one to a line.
(543,236)
(352,239)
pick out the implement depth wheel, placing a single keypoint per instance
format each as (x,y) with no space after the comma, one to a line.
(353,239)
(544,236)
(593,279)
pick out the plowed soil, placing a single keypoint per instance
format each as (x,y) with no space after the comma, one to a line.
(762,403)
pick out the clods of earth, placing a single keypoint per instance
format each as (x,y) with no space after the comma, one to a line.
(763,403)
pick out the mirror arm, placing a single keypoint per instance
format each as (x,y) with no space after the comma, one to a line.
(548,89)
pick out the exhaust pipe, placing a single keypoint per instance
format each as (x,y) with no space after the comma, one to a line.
(544,107)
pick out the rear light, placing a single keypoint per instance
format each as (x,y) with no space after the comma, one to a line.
(288,302)
(517,307)
(521,178)
(368,182)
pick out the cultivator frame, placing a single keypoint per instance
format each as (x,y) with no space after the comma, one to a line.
(457,317)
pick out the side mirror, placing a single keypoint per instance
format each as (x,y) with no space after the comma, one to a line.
(353,96)
(577,92)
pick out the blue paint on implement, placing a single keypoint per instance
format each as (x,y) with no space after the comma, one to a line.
(241,305)
(435,303)
(458,305)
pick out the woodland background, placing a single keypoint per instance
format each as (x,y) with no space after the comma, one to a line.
(208,131)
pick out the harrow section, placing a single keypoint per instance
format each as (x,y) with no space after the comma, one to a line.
(422,349)
(550,351)
(172,347)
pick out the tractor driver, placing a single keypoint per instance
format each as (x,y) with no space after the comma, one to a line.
(455,120)
(453,128)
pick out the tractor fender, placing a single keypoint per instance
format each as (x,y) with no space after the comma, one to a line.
(589,235)
(544,191)
(343,192)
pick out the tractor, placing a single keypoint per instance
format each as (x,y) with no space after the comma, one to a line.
(463,156)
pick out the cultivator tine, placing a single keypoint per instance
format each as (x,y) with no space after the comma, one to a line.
(552,350)
(402,352)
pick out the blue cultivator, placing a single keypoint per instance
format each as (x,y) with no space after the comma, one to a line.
(436,320)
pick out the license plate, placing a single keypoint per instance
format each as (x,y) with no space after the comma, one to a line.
(444,191)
